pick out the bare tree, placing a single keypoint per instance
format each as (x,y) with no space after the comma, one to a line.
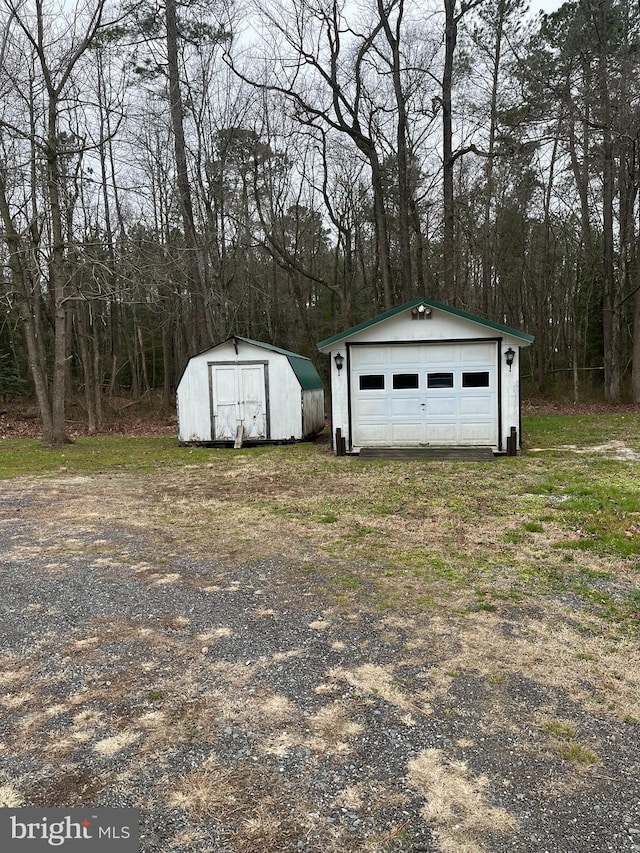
(176,109)
(453,16)
(324,78)
(390,15)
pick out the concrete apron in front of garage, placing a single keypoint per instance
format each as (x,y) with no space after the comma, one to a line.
(464,454)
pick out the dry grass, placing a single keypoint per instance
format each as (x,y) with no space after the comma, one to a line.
(209,792)
(10,797)
(257,821)
(457,803)
(603,676)
(378,681)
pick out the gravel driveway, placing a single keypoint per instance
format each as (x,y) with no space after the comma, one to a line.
(241,707)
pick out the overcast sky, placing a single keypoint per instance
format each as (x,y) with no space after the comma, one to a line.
(544,5)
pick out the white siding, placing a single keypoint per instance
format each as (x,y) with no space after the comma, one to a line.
(510,391)
(440,326)
(194,410)
(339,398)
(285,400)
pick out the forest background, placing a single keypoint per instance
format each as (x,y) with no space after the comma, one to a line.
(175,173)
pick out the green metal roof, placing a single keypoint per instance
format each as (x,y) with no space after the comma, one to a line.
(305,372)
(458,312)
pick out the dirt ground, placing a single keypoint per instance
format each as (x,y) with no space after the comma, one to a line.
(242,706)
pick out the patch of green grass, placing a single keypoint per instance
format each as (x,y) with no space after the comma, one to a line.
(357,531)
(431,567)
(425,603)
(533,527)
(631,609)
(543,577)
(513,537)
(155,696)
(567,747)
(581,430)
(511,594)
(577,753)
(560,728)
(600,501)
(484,601)
(328,518)
(96,454)
(344,581)
(585,584)
(606,543)
(484,606)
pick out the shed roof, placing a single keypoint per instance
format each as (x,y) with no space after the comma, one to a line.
(307,375)
(303,367)
(458,312)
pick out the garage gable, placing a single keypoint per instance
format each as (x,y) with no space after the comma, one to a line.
(440,321)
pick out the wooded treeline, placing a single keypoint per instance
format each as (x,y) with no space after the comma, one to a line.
(175,173)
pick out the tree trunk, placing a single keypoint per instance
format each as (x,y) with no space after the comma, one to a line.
(635,374)
(23,290)
(199,327)
(97,376)
(544,270)
(404,239)
(382,230)
(82,335)
(487,249)
(58,436)
(143,360)
(600,12)
(448,162)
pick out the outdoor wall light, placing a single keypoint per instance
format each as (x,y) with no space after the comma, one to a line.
(421,311)
(339,360)
(509,355)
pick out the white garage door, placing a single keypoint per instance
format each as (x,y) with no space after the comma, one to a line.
(424,394)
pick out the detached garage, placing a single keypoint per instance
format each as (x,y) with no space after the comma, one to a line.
(244,391)
(426,375)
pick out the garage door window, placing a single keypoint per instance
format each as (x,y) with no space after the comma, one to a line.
(372,382)
(439,380)
(404,381)
(479,379)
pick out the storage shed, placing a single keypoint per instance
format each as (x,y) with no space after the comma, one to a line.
(244,391)
(426,375)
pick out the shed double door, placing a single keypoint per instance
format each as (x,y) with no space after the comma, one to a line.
(238,397)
